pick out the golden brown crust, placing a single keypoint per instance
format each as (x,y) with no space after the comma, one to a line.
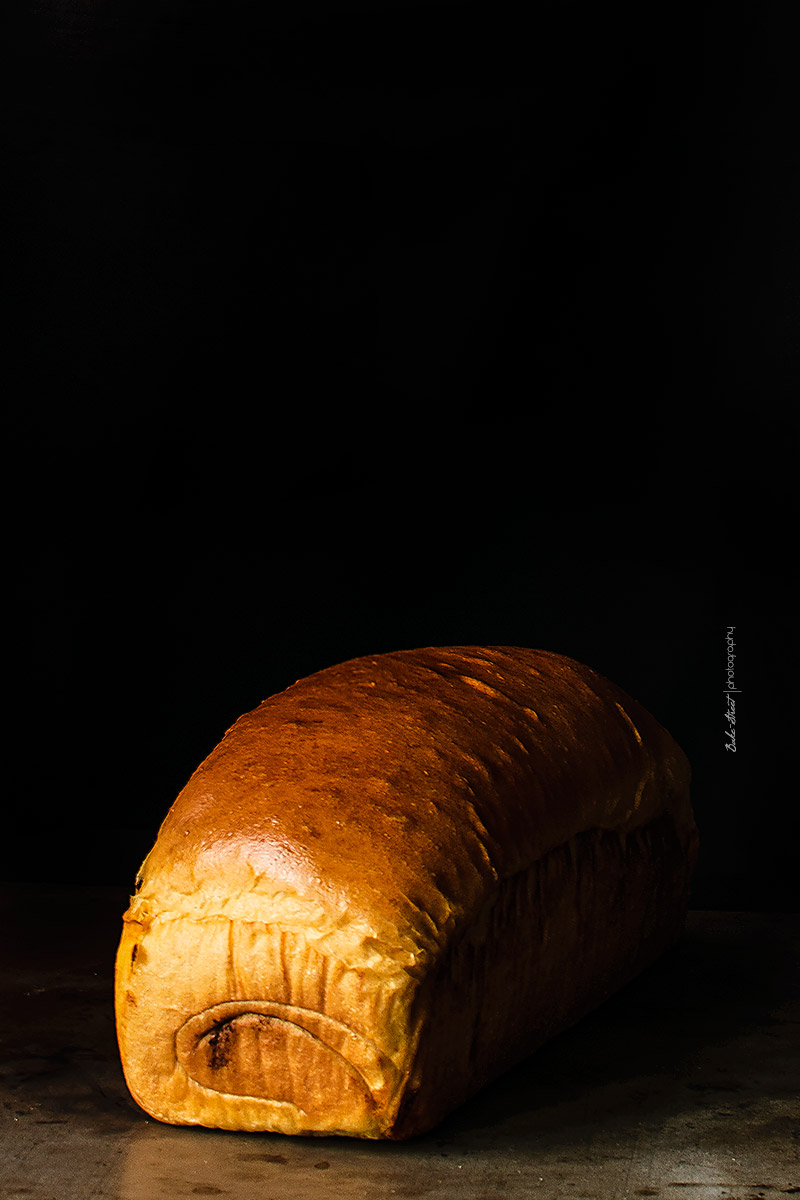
(336,848)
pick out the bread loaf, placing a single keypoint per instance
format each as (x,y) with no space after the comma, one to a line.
(391,882)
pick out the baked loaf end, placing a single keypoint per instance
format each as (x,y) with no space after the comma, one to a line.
(392,881)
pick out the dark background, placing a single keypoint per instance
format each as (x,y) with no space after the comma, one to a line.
(357,327)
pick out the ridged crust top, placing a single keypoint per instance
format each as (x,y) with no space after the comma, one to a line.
(396,790)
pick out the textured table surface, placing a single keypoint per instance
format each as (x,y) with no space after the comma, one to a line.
(687,1083)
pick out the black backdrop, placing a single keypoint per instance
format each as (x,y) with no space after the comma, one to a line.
(352,328)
